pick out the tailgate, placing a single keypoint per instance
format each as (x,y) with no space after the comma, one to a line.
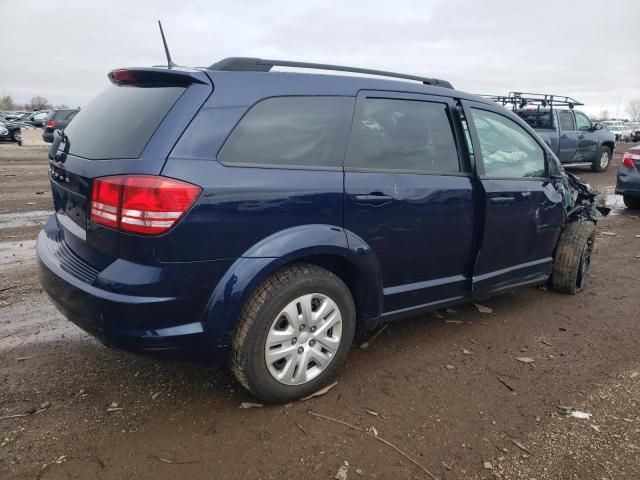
(127,129)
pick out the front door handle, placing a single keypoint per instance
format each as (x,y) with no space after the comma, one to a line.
(580,136)
(377,197)
(503,200)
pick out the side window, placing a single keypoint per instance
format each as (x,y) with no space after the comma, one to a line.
(403,135)
(291,132)
(566,121)
(507,149)
(40,116)
(583,121)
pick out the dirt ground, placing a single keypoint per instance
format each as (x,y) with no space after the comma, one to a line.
(445,389)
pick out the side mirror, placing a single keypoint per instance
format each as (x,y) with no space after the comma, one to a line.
(598,126)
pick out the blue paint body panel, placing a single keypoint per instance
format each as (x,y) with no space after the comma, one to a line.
(439,240)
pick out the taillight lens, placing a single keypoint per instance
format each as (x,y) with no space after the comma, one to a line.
(51,124)
(629,159)
(144,204)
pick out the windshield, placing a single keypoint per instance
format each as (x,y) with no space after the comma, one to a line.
(119,122)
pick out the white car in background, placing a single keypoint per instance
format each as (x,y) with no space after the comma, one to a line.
(619,129)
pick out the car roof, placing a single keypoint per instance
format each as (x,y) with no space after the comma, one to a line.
(297,83)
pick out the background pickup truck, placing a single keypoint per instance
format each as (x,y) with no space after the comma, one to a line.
(571,135)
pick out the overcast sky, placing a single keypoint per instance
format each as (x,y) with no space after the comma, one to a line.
(588,49)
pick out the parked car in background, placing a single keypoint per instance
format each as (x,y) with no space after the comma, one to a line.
(635,131)
(10,131)
(572,136)
(628,181)
(619,129)
(274,217)
(10,116)
(35,119)
(57,120)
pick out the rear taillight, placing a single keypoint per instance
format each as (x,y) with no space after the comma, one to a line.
(51,124)
(629,159)
(143,204)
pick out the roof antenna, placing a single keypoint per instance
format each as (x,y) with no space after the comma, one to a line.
(170,63)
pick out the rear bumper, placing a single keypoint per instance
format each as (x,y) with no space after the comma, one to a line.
(628,182)
(159,326)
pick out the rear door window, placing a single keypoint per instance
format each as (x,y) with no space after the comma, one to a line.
(401,135)
(291,132)
(566,121)
(119,122)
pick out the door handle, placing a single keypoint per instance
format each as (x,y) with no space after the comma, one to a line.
(373,197)
(563,136)
(503,200)
(580,136)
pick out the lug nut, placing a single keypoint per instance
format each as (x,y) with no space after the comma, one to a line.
(312,329)
(302,327)
(312,343)
(300,349)
(294,340)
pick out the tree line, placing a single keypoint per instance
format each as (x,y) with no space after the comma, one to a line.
(36,103)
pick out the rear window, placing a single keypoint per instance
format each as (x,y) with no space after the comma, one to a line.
(63,114)
(119,122)
(291,132)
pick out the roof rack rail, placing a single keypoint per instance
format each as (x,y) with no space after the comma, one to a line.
(247,64)
(522,99)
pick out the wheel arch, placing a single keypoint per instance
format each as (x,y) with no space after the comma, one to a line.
(327,246)
(610,145)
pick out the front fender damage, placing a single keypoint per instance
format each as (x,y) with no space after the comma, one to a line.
(580,200)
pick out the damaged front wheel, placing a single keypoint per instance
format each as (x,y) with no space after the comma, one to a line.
(573,256)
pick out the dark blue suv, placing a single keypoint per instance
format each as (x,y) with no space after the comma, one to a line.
(270,217)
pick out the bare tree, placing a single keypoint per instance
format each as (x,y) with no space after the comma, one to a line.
(604,114)
(633,107)
(7,103)
(38,103)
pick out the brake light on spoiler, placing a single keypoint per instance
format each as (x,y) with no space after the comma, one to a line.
(144,204)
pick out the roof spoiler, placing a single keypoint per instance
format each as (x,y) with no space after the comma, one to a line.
(154,77)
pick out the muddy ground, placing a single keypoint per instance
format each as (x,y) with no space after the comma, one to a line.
(445,388)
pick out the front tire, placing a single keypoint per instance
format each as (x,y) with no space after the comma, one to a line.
(294,333)
(631,202)
(602,161)
(573,257)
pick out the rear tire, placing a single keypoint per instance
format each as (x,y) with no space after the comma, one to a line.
(573,257)
(602,161)
(278,349)
(631,202)
(16,136)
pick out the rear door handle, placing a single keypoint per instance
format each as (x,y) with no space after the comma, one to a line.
(563,136)
(503,200)
(580,136)
(377,197)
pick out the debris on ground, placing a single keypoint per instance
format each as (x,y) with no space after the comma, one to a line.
(483,308)
(580,414)
(320,392)
(525,359)
(251,405)
(366,344)
(487,466)
(342,472)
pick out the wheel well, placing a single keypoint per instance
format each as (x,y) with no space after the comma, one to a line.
(352,277)
(609,145)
